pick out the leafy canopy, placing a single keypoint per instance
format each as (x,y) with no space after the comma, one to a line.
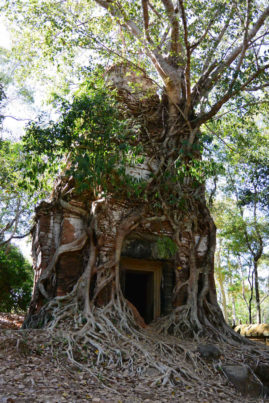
(92,138)
(209,51)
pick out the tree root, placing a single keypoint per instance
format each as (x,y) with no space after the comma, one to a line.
(109,338)
(181,323)
(111,335)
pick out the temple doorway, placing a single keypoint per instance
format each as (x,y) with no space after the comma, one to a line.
(141,285)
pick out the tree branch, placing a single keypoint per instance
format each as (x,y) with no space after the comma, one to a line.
(22,236)
(235,108)
(205,85)
(171,13)
(244,49)
(146,19)
(13,117)
(257,88)
(194,45)
(215,134)
(165,70)
(154,10)
(218,41)
(215,108)
(188,54)
(14,222)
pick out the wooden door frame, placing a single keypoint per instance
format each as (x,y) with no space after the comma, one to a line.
(147,266)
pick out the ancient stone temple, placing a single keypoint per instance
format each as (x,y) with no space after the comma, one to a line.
(146,273)
(120,248)
(60,237)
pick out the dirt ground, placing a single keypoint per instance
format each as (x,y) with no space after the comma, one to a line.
(32,369)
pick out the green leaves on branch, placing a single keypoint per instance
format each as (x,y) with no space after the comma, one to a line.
(92,138)
(198,169)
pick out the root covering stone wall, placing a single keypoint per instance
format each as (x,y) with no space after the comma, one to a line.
(58,227)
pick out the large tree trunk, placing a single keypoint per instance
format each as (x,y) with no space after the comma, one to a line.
(78,240)
(257,293)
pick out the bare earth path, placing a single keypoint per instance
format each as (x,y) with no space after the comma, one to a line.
(32,369)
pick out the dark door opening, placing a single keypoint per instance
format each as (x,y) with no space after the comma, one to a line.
(139,290)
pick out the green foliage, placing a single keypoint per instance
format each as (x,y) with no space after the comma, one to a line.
(242,240)
(16,280)
(240,142)
(64,32)
(198,169)
(166,247)
(10,156)
(241,145)
(242,214)
(96,142)
(60,32)
(10,92)
(92,138)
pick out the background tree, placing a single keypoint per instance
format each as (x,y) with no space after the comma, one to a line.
(243,222)
(16,198)
(16,280)
(18,95)
(16,201)
(249,182)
